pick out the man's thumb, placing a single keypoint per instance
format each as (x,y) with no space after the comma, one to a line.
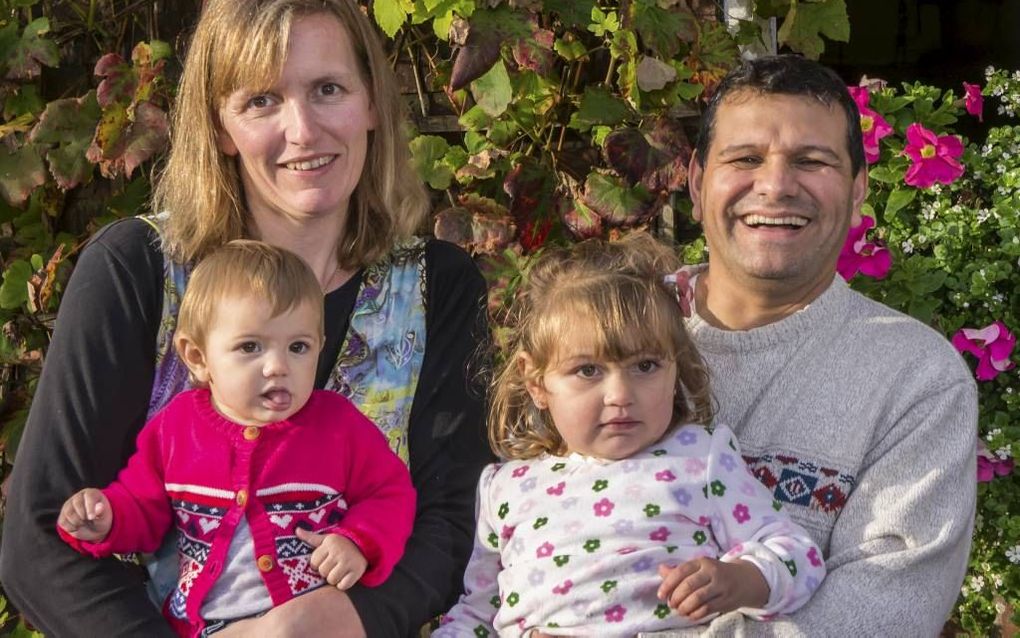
(311,538)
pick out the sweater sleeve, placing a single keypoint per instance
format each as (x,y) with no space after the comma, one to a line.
(448,449)
(475,612)
(748,525)
(903,537)
(89,405)
(380,499)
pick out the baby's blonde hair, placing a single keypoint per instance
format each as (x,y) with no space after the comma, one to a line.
(248,269)
(614,291)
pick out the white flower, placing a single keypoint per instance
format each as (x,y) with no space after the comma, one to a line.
(977,582)
(1013,554)
(1002,453)
(998,297)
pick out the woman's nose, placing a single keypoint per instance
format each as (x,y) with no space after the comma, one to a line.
(300,126)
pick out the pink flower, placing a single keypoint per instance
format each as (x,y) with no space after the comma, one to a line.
(660,534)
(603,507)
(813,557)
(989,465)
(934,157)
(872,259)
(665,476)
(508,532)
(974,103)
(616,613)
(556,490)
(873,126)
(681,282)
(992,345)
(564,587)
(740,513)
(544,550)
(521,471)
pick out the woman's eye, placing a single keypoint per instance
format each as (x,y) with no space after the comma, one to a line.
(330,89)
(299,347)
(258,101)
(249,347)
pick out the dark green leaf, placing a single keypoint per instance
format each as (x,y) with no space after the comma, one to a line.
(898,198)
(14,291)
(32,51)
(23,100)
(573,13)
(21,171)
(661,30)
(69,124)
(599,106)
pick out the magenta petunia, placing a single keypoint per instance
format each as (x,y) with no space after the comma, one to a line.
(992,345)
(990,466)
(873,126)
(973,101)
(934,157)
(870,258)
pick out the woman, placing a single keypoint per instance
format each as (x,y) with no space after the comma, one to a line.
(287,128)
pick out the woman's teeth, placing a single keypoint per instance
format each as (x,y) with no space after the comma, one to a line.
(310,164)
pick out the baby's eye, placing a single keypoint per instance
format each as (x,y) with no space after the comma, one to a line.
(587,370)
(300,347)
(249,347)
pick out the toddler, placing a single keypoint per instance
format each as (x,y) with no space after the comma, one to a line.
(275,488)
(618,509)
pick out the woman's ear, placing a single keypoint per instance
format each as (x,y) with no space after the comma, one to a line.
(193,357)
(532,380)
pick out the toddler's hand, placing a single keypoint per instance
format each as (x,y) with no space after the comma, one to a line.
(87,515)
(706,586)
(338,559)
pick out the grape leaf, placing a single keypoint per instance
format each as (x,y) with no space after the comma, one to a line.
(25,61)
(69,124)
(14,291)
(573,13)
(123,140)
(656,159)
(492,91)
(23,100)
(616,203)
(427,152)
(21,171)
(662,30)
(475,58)
(599,106)
(653,74)
(389,15)
(807,21)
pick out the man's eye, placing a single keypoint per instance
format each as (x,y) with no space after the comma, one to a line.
(299,347)
(749,160)
(248,347)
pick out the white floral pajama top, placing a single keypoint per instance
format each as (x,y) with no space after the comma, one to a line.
(571,545)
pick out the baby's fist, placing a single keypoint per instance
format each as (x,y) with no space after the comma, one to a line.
(336,557)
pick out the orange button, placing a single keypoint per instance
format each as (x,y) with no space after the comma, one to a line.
(252,432)
(265,562)
(242,497)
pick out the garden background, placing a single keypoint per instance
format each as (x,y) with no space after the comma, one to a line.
(544,121)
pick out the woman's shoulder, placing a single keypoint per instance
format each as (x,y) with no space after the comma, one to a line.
(446,260)
(132,241)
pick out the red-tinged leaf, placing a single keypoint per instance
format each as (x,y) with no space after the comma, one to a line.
(454,225)
(656,159)
(532,191)
(121,144)
(482,205)
(491,234)
(616,203)
(68,126)
(479,165)
(535,51)
(482,230)
(477,56)
(582,222)
(119,80)
(32,52)
(21,172)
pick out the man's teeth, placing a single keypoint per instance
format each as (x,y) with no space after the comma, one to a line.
(311,164)
(761,220)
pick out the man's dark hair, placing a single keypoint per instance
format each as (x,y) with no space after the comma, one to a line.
(786,75)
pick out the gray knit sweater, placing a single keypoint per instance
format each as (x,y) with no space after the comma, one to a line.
(863,423)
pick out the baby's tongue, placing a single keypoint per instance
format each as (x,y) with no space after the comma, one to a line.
(277,399)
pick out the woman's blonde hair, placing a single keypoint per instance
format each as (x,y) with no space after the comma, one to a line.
(245,268)
(614,292)
(243,43)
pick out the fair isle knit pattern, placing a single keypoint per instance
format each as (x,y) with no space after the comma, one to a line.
(875,416)
(571,545)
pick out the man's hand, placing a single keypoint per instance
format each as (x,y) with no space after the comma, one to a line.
(87,515)
(338,559)
(706,586)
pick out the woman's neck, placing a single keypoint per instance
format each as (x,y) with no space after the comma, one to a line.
(315,239)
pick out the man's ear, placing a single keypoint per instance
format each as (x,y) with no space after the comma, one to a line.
(532,381)
(694,175)
(858,193)
(193,357)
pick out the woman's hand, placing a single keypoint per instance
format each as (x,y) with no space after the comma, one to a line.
(706,586)
(87,515)
(325,612)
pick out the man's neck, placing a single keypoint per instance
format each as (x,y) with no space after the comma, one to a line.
(727,305)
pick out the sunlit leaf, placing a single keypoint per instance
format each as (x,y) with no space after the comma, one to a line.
(69,124)
(492,91)
(389,15)
(21,171)
(806,22)
(32,51)
(599,106)
(14,290)
(427,152)
(122,143)
(615,202)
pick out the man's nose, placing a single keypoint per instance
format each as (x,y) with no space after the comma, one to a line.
(775,179)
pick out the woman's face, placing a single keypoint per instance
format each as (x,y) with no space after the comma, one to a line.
(301,145)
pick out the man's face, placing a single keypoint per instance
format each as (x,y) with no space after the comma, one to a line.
(777,195)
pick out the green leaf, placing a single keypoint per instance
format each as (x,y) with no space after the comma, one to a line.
(492,91)
(427,152)
(807,21)
(614,202)
(599,106)
(661,30)
(389,15)
(898,198)
(32,51)
(569,50)
(21,172)
(885,174)
(69,124)
(14,290)
(572,13)
(122,143)
(23,100)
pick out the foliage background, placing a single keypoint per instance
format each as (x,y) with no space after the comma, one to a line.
(537,121)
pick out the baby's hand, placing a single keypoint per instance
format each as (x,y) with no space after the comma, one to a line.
(706,586)
(338,559)
(87,515)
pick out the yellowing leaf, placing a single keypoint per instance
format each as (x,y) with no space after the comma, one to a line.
(389,15)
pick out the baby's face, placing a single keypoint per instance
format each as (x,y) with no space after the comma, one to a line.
(260,369)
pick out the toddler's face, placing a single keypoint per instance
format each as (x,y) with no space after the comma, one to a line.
(606,409)
(260,369)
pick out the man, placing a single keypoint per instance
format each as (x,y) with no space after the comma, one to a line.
(860,419)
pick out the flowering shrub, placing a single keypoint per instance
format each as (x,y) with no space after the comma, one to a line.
(947,212)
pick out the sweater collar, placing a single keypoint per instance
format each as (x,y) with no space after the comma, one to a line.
(203,406)
(826,308)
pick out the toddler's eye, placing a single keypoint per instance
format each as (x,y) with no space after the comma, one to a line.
(248,347)
(300,347)
(648,365)
(587,371)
